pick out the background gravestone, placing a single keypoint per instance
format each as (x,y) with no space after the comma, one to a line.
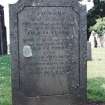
(48,47)
(89,51)
(3,37)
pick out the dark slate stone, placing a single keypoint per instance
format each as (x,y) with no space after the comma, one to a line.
(3,38)
(48,47)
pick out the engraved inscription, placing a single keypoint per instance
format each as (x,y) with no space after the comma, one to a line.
(52,34)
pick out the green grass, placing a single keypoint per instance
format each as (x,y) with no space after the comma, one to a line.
(5,81)
(96,76)
(95,83)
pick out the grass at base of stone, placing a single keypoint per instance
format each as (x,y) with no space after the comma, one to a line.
(5,81)
(96,76)
(96,90)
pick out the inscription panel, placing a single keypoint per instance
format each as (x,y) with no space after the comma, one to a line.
(53,36)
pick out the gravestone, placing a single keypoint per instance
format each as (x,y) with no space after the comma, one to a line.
(89,51)
(48,48)
(3,38)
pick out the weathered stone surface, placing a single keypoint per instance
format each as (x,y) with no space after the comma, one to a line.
(3,38)
(48,57)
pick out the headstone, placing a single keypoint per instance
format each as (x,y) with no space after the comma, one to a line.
(89,51)
(92,39)
(98,41)
(102,41)
(48,47)
(3,39)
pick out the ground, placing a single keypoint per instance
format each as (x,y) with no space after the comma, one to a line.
(95,76)
(5,81)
